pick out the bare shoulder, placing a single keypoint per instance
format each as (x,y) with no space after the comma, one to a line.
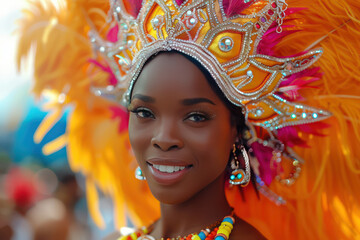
(113,236)
(244,231)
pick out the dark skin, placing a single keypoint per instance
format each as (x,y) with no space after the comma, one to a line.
(177,119)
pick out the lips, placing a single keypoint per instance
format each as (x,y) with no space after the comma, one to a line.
(168,172)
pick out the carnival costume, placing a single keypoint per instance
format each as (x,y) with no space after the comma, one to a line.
(293,68)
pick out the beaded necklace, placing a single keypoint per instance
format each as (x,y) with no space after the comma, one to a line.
(218,233)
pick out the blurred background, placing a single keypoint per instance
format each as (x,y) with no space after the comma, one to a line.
(40,198)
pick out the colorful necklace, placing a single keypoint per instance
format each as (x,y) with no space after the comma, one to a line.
(218,233)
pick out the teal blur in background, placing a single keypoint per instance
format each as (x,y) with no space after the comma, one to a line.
(34,186)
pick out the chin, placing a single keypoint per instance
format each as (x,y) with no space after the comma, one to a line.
(171,194)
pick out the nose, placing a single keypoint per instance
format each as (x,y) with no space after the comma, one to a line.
(167,136)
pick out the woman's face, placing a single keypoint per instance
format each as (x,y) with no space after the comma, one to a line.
(180,131)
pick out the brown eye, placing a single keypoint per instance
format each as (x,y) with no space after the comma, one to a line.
(197,117)
(143,113)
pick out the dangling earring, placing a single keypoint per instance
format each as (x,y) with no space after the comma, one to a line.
(139,174)
(238,176)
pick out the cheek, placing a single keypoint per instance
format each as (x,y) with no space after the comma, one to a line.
(139,137)
(212,145)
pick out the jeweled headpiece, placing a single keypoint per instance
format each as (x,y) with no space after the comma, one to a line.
(229,46)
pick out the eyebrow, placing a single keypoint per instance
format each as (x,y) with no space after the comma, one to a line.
(193,101)
(144,98)
(186,102)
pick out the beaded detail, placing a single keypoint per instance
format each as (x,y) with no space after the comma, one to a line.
(218,233)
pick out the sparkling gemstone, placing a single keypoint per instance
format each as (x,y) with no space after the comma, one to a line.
(232,177)
(226,44)
(270,12)
(263,19)
(118,9)
(293,115)
(304,115)
(102,49)
(189,13)
(274,5)
(110,88)
(315,115)
(257,26)
(239,176)
(289,66)
(124,26)
(258,112)
(192,20)
(130,42)
(155,21)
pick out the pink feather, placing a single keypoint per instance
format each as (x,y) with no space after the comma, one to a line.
(290,137)
(264,155)
(112,35)
(179,2)
(112,79)
(135,7)
(234,7)
(119,112)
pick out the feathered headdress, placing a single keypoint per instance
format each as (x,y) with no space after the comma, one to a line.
(88,49)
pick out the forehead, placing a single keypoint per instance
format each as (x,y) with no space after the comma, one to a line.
(173,75)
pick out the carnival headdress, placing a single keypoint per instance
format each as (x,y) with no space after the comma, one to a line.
(228,46)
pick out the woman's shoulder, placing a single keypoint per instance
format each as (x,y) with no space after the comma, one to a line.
(245,231)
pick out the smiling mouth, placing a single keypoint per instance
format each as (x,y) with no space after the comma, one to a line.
(169,169)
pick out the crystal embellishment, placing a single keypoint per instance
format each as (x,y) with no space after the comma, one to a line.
(226,44)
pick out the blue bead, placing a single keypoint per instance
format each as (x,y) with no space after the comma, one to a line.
(239,176)
(315,115)
(202,235)
(232,177)
(227,219)
(293,115)
(220,238)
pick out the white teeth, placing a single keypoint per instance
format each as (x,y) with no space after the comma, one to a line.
(168,169)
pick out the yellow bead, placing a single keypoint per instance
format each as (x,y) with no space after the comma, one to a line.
(227,224)
(145,230)
(133,236)
(195,237)
(223,231)
(227,228)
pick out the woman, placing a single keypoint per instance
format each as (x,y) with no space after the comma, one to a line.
(176,118)
(204,87)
